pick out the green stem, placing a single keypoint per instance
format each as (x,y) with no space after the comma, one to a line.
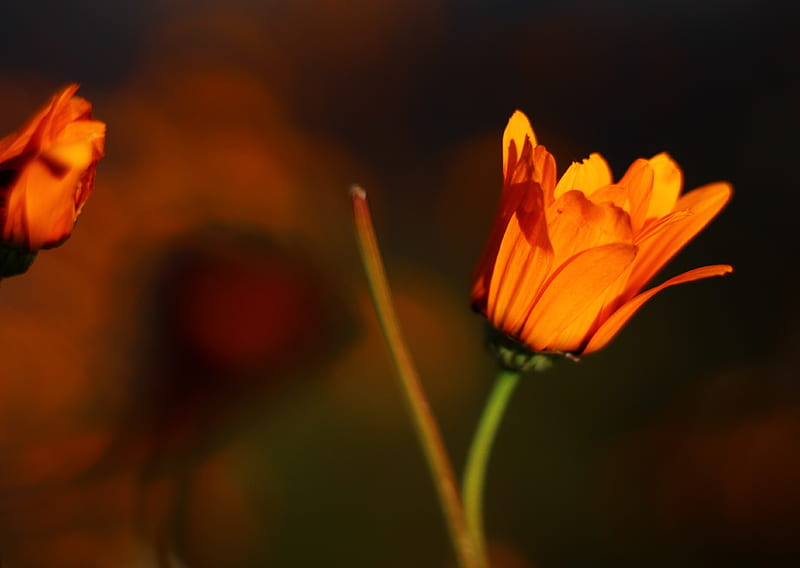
(424,423)
(478,457)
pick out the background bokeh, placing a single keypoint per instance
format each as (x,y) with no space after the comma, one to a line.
(196,377)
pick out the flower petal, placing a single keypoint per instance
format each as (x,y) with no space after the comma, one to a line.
(611,193)
(638,181)
(522,264)
(534,163)
(533,176)
(574,288)
(41,210)
(576,224)
(586,176)
(517,131)
(667,184)
(544,172)
(510,200)
(619,318)
(83,131)
(39,128)
(575,335)
(654,226)
(703,204)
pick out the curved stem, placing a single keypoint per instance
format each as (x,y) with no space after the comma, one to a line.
(424,423)
(478,457)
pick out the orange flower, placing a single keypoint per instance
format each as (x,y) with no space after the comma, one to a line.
(565,261)
(47,172)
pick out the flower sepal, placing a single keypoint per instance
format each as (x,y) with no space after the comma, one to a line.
(15,260)
(513,355)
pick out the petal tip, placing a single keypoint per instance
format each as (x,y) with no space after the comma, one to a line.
(519,126)
(66,92)
(723,189)
(518,115)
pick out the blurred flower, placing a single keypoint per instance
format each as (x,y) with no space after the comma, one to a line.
(565,260)
(47,170)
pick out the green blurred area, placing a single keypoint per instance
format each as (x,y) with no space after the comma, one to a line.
(198,371)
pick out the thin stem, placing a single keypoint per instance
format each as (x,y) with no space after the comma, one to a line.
(478,458)
(424,423)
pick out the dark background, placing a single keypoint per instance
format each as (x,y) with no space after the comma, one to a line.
(197,373)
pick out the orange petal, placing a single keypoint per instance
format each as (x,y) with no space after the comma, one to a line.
(65,109)
(77,108)
(612,193)
(638,181)
(703,204)
(545,172)
(510,200)
(522,264)
(534,173)
(536,164)
(41,207)
(571,291)
(516,133)
(586,176)
(667,184)
(576,224)
(613,324)
(575,335)
(84,131)
(524,169)
(37,130)
(654,226)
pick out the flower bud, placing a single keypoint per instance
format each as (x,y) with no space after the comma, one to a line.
(47,171)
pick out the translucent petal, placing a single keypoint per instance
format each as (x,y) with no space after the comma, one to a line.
(41,128)
(572,290)
(576,224)
(517,131)
(522,264)
(612,193)
(667,184)
(586,176)
(41,207)
(534,176)
(638,181)
(702,205)
(619,318)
